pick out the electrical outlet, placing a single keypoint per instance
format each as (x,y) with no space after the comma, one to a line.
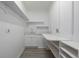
(57,30)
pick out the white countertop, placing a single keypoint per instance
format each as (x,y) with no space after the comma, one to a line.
(52,37)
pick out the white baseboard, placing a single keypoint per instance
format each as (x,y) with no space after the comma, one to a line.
(20,53)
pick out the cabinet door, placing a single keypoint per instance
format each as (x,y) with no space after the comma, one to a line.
(65,18)
(54,17)
(76,20)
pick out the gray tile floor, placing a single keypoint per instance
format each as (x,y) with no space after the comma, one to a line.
(37,53)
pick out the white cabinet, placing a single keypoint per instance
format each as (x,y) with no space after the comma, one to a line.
(76,21)
(54,17)
(61,18)
(65,19)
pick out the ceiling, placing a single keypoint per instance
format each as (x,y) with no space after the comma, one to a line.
(37,5)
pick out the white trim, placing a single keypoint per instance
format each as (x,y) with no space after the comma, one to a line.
(20,53)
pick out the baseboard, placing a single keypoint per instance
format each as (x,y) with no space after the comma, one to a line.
(20,53)
(31,46)
(45,48)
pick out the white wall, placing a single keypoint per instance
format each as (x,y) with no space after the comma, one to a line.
(54,17)
(38,16)
(33,40)
(12,42)
(36,40)
(65,26)
(34,15)
(76,21)
(61,18)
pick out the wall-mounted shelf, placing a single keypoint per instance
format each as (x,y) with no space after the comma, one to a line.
(54,49)
(73,44)
(42,31)
(35,22)
(15,8)
(55,52)
(68,53)
(42,27)
(54,43)
(65,51)
(70,48)
(63,48)
(33,35)
(62,55)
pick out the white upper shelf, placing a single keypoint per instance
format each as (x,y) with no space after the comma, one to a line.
(72,44)
(35,22)
(13,6)
(52,37)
